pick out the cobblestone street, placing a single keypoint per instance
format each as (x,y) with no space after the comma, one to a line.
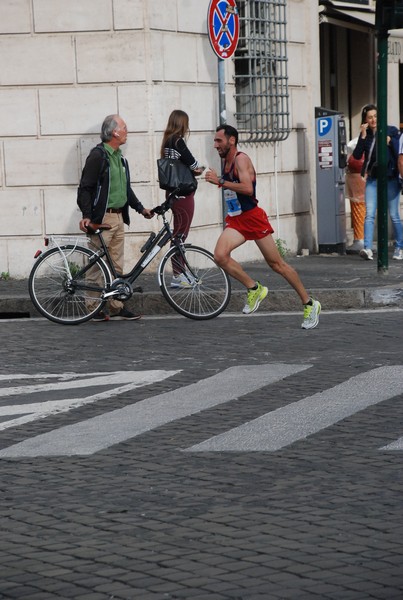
(155,517)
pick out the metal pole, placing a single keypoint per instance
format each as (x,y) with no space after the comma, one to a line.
(221,91)
(223,114)
(382,149)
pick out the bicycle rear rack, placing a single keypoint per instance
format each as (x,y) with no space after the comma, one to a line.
(55,241)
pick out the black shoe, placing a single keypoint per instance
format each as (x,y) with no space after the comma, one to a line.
(101,316)
(125,315)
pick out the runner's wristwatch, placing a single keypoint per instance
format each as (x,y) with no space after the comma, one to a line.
(221,182)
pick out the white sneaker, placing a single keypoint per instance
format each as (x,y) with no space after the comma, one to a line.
(311,315)
(398,254)
(355,247)
(254,298)
(182,281)
(366,254)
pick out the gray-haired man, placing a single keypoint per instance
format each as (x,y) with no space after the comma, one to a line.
(104,196)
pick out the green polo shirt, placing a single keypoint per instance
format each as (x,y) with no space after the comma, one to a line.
(117,178)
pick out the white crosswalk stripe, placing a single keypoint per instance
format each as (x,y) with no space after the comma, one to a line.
(117,426)
(296,421)
(270,432)
(116,382)
(396,445)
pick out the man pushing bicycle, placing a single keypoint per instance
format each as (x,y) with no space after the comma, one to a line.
(104,196)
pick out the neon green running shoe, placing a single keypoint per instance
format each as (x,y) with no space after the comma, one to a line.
(311,315)
(254,298)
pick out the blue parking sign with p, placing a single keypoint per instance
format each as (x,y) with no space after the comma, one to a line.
(324,125)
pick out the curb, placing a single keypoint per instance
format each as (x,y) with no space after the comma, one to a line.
(153,303)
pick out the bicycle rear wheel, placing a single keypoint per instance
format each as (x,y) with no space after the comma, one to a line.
(201,289)
(65,288)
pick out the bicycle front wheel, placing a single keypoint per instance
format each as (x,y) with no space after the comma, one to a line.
(193,284)
(66,284)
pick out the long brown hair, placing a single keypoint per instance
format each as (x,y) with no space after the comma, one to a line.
(177,126)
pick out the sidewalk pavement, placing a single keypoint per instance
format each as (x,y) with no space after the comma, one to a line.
(338,281)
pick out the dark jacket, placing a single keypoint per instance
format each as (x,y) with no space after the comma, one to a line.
(93,191)
(364,147)
(175,147)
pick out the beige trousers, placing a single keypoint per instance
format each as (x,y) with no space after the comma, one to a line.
(114,240)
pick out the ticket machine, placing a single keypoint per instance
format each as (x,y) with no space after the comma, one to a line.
(331,160)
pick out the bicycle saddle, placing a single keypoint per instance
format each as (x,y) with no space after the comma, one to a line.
(92,227)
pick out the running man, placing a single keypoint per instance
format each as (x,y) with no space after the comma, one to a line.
(245,221)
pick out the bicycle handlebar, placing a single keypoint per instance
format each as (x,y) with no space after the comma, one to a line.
(165,206)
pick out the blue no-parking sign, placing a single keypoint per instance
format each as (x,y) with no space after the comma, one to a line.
(223,27)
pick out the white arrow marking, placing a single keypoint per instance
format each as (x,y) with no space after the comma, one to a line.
(120,425)
(40,410)
(298,420)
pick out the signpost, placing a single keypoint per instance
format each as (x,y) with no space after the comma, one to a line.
(389,15)
(382,183)
(223,30)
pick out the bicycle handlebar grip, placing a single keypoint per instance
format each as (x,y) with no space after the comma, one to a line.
(162,208)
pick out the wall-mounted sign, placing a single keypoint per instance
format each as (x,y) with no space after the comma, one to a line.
(324,126)
(325,154)
(395,47)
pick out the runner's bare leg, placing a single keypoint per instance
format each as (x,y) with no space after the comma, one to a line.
(268,248)
(231,239)
(226,243)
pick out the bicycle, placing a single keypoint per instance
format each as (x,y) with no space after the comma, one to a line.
(71,283)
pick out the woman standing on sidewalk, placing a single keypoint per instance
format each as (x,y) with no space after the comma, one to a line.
(355,192)
(174,146)
(367,145)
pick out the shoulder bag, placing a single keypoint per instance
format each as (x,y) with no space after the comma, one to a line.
(173,175)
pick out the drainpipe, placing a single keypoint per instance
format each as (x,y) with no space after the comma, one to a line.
(276,189)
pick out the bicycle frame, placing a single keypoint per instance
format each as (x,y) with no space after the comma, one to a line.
(74,296)
(152,249)
(160,240)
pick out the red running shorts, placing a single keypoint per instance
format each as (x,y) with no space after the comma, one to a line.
(252,224)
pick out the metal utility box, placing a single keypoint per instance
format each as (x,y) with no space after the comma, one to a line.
(331,159)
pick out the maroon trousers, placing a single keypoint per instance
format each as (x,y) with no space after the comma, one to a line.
(183,210)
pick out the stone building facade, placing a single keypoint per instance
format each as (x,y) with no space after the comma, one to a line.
(64,66)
